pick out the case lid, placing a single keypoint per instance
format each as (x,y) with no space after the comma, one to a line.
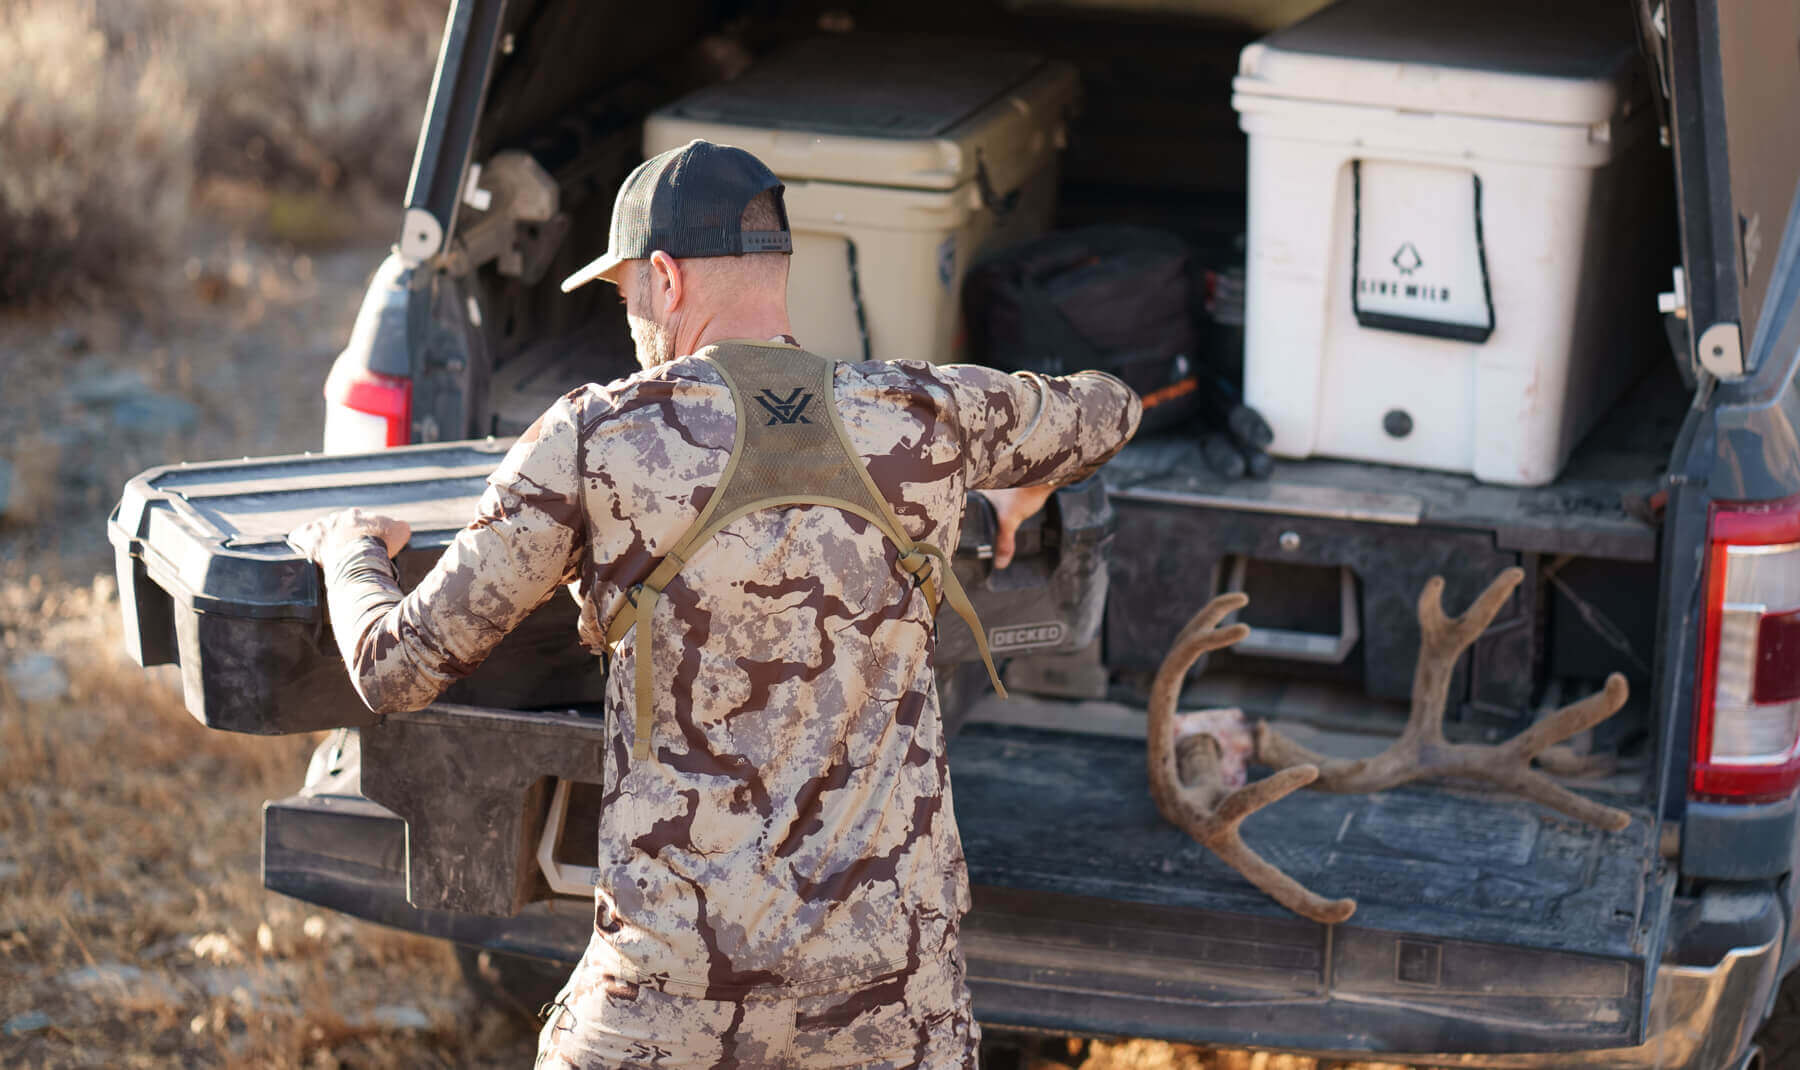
(924,113)
(1551,61)
(214,535)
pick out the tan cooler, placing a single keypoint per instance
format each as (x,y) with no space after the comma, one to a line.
(905,160)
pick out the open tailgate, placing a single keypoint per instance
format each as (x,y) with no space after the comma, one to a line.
(1484,924)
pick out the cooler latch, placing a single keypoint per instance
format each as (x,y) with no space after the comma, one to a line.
(1000,205)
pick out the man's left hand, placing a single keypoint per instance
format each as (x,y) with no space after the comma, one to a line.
(1013,507)
(315,536)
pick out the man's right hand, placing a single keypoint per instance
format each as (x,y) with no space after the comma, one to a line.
(1011,508)
(315,537)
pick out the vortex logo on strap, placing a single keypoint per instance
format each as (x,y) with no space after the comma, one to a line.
(786,410)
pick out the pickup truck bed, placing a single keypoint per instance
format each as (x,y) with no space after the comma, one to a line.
(1484,924)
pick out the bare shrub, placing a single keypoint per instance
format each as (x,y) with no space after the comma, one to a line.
(109,112)
(312,94)
(94,149)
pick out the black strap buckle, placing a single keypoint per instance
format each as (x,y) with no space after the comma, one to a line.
(992,200)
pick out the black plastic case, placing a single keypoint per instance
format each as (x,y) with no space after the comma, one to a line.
(207,580)
(1052,597)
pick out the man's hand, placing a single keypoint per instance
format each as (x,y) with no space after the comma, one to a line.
(1011,508)
(313,537)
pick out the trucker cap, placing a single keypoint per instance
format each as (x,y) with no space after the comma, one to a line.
(687,202)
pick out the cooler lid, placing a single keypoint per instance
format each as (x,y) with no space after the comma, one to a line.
(1554,61)
(863,87)
(896,111)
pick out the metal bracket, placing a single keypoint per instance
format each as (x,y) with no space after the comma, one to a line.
(519,226)
(563,879)
(421,236)
(1674,302)
(1721,351)
(473,194)
(1302,646)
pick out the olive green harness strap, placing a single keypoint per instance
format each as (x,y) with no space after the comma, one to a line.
(790,449)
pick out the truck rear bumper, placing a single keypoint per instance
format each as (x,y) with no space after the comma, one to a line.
(1701,1017)
(1029,969)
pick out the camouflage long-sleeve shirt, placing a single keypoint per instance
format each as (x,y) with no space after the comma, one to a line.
(793,833)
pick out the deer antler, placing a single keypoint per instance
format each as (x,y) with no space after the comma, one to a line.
(1421,751)
(1189,784)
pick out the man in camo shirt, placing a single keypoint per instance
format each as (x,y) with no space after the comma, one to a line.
(781,881)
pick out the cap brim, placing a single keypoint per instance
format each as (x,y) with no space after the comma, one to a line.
(602,268)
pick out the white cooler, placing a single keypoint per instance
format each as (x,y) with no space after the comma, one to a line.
(1449,207)
(904,160)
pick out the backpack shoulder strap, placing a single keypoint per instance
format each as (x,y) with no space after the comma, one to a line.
(790,448)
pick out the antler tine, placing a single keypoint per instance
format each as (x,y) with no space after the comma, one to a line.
(1575,717)
(1466,627)
(1223,837)
(1421,750)
(1198,631)
(1442,640)
(1201,806)
(1578,716)
(1197,637)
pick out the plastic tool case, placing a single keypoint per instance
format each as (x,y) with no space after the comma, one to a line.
(1050,600)
(207,580)
(905,159)
(1454,212)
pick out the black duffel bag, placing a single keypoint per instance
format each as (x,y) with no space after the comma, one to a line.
(1113,298)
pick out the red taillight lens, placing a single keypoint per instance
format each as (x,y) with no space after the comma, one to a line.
(366,410)
(1747,713)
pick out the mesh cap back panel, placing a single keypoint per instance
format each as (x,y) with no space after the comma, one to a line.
(690,212)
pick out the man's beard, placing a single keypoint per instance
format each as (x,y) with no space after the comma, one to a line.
(655,341)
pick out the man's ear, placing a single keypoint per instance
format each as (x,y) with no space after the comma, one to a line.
(667,284)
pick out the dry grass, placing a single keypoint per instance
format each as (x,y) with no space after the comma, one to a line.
(131,909)
(96,150)
(242,331)
(112,112)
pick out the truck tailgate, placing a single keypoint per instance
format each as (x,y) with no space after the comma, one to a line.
(1484,924)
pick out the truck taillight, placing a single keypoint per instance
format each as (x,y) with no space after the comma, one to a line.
(1747,713)
(366,410)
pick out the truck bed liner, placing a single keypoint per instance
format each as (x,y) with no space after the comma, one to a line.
(1052,812)
(1535,931)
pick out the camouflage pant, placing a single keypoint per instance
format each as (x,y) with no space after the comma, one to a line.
(919,1019)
